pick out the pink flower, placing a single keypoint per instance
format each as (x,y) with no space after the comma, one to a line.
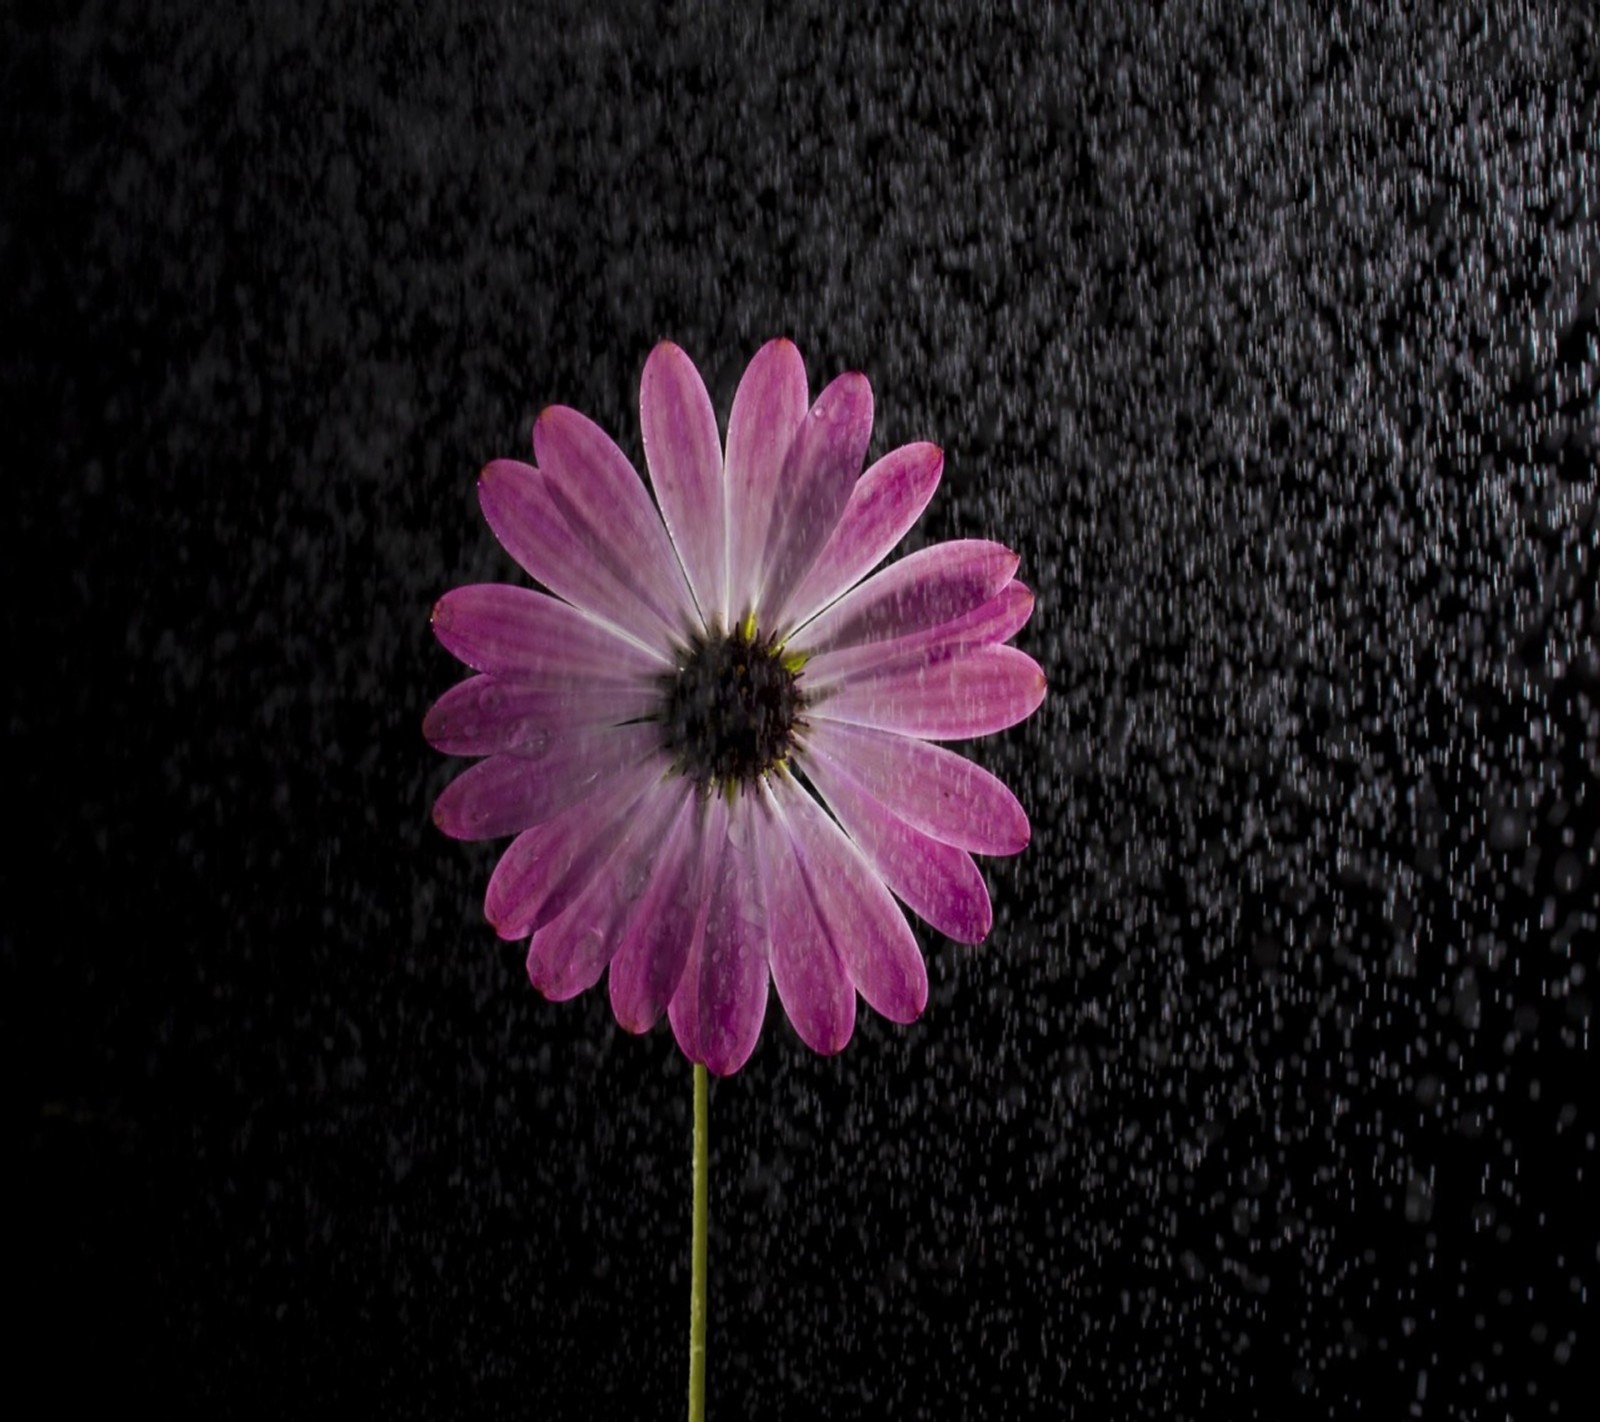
(662,733)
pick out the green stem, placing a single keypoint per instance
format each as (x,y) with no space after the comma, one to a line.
(702,1211)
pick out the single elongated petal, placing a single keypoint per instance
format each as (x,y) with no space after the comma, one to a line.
(546,867)
(937,882)
(568,954)
(735,964)
(599,494)
(813,986)
(721,1001)
(511,791)
(663,923)
(933,789)
(485,714)
(517,502)
(767,410)
(823,465)
(711,843)
(863,922)
(925,589)
(684,455)
(882,506)
(975,694)
(517,632)
(999,618)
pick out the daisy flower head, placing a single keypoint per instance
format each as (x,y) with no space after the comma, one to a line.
(713,736)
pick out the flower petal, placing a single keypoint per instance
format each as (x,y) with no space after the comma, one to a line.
(518,504)
(599,494)
(813,986)
(933,789)
(924,589)
(664,923)
(767,410)
(863,922)
(710,844)
(485,714)
(823,465)
(999,618)
(684,454)
(546,867)
(516,789)
(975,694)
(568,954)
(517,632)
(721,1001)
(882,507)
(937,882)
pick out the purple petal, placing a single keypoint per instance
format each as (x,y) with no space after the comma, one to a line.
(567,955)
(883,505)
(684,455)
(516,789)
(974,694)
(937,882)
(517,632)
(999,618)
(933,789)
(767,410)
(547,867)
(813,986)
(862,920)
(599,494)
(924,589)
(662,925)
(722,999)
(527,519)
(487,713)
(711,839)
(823,465)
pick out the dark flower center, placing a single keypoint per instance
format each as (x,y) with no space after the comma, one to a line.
(730,709)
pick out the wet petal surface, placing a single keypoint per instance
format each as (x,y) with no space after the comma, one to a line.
(975,694)
(547,866)
(924,589)
(518,505)
(568,954)
(862,920)
(598,493)
(937,882)
(996,620)
(684,455)
(881,509)
(516,789)
(664,924)
(487,714)
(734,954)
(807,971)
(767,410)
(519,633)
(823,465)
(934,789)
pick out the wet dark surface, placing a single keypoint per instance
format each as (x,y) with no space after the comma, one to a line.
(1269,342)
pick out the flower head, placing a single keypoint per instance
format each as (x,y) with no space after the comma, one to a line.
(663,729)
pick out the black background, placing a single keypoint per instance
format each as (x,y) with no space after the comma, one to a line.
(1269,340)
